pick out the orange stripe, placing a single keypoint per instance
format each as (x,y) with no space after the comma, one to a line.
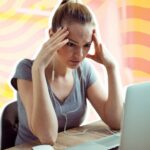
(138,64)
(18,16)
(140,74)
(6,22)
(138,12)
(136,38)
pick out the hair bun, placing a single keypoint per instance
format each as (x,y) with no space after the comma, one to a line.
(64,1)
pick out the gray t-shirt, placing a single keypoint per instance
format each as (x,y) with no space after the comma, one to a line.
(74,106)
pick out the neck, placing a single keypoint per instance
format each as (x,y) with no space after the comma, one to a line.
(60,69)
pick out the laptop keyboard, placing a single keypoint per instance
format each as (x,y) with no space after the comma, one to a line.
(112,141)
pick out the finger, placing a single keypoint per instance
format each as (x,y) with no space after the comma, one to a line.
(56,38)
(94,38)
(50,32)
(56,41)
(100,48)
(51,36)
(59,32)
(55,35)
(60,44)
(61,37)
(50,51)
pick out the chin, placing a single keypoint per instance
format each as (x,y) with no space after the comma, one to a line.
(74,66)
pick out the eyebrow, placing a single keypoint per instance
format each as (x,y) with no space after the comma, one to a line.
(75,42)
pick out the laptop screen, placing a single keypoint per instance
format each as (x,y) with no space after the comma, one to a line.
(136,123)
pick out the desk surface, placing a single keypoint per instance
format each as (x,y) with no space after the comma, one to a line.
(95,130)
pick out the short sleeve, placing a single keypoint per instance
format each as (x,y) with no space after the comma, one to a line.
(23,71)
(89,73)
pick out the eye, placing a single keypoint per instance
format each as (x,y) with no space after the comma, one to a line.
(70,44)
(87,45)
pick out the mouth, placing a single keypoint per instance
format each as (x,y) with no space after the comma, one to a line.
(75,61)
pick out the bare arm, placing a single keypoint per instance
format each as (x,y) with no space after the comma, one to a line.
(107,102)
(44,121)
(41,115)
(113,107)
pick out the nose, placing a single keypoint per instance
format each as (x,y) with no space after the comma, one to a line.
(79,52)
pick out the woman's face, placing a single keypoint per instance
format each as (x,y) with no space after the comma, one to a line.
(80,39)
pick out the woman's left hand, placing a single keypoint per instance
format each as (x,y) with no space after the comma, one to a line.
(101,54)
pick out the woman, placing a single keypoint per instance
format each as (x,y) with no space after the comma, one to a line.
(52,90)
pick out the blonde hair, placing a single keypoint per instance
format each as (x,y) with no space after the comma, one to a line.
(71,11)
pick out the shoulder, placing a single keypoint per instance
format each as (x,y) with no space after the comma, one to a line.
(22,71)
(24,66)
(86,63)
(25,63)
(86,66)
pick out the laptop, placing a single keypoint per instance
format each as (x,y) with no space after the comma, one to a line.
(135,129)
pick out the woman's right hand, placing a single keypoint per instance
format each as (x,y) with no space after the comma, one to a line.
(56,41)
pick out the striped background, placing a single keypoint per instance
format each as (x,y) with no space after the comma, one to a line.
(24,24)
(136,35)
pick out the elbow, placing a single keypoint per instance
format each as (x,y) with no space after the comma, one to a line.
(115,126)
(48,139)
(46,133)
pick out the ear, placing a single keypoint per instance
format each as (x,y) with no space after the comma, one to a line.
(50,32)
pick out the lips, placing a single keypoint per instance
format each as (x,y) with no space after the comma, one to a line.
(75,61)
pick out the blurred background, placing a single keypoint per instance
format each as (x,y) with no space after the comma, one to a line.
(124,28)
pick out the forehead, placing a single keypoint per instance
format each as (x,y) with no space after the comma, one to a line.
(80,32)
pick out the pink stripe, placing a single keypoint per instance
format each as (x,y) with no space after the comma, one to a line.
(26,44)
(24,28)
(8,63)
(8,5)
(138,64)
(5,23)
(137,38)
(29,3)
(5,74)
(20,32)
(94,4)
(9,22)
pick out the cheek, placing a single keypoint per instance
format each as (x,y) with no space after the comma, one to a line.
(63,52)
